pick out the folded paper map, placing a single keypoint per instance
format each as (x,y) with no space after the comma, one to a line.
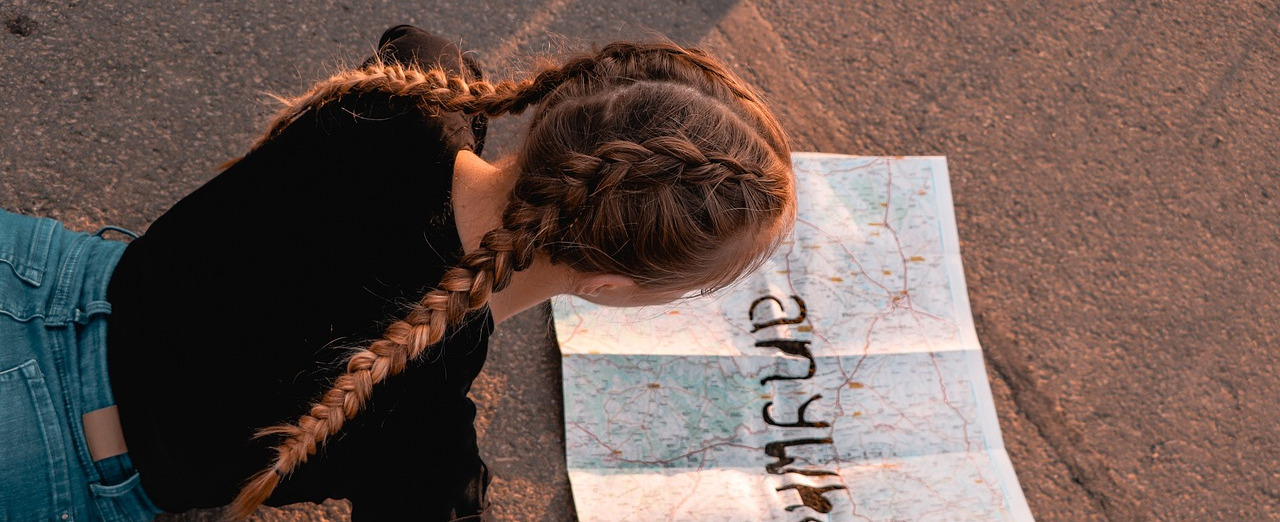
(843,381)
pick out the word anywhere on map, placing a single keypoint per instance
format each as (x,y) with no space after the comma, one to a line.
(811,497)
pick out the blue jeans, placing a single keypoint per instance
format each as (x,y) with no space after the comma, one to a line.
(53,369)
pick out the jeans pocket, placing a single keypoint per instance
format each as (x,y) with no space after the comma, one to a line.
(26,245)
(34,484)
(123,502)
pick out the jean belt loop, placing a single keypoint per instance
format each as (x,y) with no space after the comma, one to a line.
(125,231)
(82,316)
(63,308)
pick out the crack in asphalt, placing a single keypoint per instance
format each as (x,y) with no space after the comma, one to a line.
(1085,467)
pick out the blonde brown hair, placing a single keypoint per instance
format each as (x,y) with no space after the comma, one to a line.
(651,161)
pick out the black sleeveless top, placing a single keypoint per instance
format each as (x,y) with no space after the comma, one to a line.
(236,309)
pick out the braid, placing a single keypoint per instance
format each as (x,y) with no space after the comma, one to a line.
(661,159)
(716,191)
(434,88)
(463,288)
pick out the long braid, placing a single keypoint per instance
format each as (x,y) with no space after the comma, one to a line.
(435,89)
(554,209)
(463,288)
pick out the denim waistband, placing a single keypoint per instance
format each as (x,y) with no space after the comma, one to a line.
(68,271)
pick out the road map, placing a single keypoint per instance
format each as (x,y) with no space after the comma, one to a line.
(842,381)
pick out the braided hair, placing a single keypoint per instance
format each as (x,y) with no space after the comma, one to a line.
(651,161)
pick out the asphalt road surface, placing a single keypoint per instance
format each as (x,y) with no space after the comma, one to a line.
(1114,166)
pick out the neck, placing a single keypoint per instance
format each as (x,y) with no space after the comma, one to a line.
(480,194)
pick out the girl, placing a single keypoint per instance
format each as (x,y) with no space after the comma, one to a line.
(307,325)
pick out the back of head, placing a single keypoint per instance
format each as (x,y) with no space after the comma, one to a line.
(654,162)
